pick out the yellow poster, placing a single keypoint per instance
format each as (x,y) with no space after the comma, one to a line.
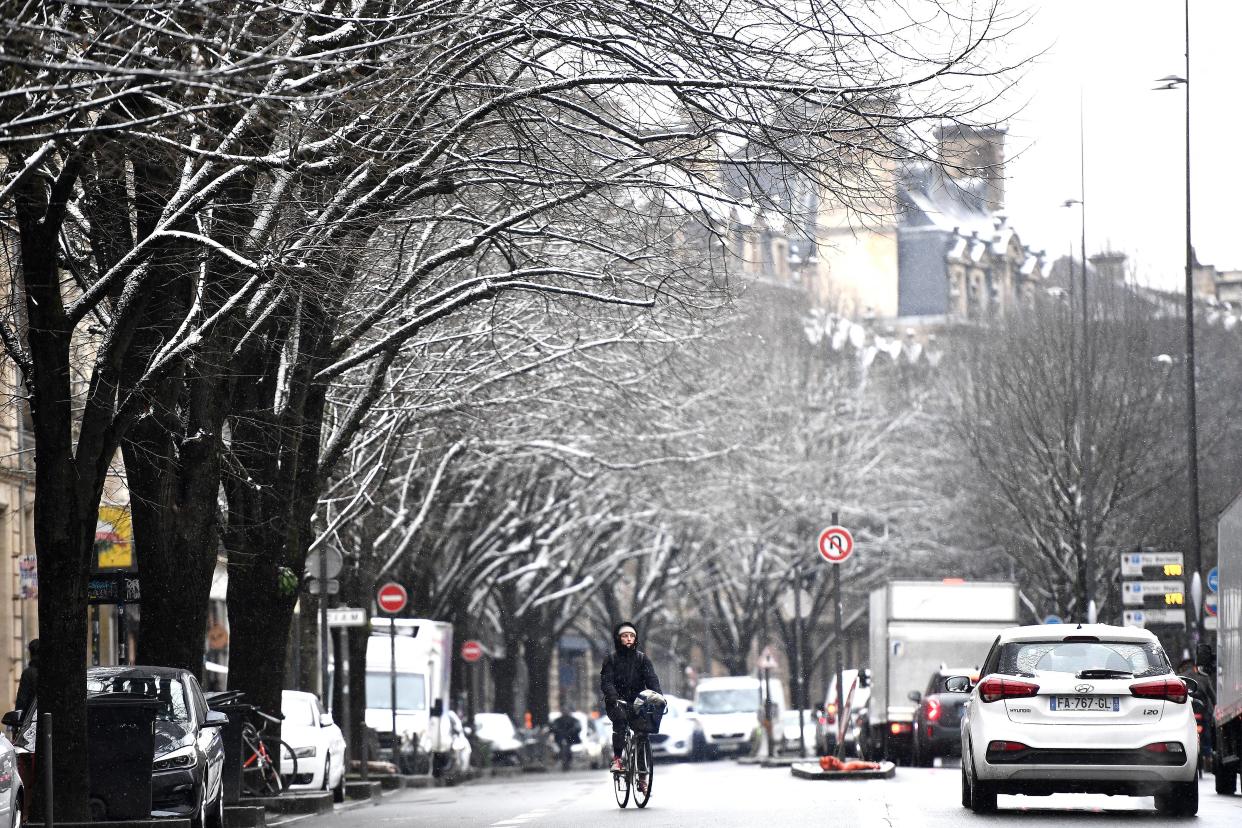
(114,538)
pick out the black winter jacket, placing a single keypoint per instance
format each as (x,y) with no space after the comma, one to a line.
(626,672)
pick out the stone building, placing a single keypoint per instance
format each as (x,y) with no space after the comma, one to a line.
(929,241)
(19,580)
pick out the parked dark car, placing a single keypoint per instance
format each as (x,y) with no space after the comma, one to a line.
(938,718)
(187,769)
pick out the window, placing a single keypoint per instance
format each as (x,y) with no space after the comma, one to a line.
(1139,659)
(169,691)
(410,691)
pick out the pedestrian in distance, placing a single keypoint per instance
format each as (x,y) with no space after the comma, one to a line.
(565,730)
(626,672)
(28,686)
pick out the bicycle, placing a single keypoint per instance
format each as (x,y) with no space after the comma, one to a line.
(261,770)
(638,775)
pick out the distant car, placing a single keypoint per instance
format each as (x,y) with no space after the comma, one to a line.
(1088,708)
(681,735)
(316,741)
(937,719)
(826,724)
(496,730)
(789,732)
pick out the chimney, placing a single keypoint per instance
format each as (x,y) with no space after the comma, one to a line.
(1110,267)
(975,152)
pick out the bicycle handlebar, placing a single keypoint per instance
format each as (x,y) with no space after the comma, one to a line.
(279,717)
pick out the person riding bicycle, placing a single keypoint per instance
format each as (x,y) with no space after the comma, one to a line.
(626,672)
(566,731)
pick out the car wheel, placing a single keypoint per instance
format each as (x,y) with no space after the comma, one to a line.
(200,819)
(18,815)
(922,755)
(982,796)
(965,787)
(217,813)
(327,771)
(1182,799)
(1226,781)
(338,793)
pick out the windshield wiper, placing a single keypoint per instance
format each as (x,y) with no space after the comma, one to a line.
(1103,674)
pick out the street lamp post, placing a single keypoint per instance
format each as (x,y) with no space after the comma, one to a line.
(1192,429)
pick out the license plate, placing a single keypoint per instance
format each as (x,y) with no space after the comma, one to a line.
(1085,703)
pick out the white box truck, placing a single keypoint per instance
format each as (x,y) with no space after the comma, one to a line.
(915,628)
(1227,734)
(424,652)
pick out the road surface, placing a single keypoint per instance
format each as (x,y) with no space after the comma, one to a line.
(724,794)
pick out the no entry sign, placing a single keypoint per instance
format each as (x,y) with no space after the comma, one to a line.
(835,544)
(471,651)
(391,598)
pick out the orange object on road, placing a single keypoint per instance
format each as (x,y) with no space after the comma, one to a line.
(832,763)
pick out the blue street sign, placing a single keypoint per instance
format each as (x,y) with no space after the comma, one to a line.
(1213,580)
(1053,619)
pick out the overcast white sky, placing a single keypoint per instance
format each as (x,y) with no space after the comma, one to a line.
(1113,50)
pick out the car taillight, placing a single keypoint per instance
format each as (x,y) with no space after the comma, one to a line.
(897,728)
(1164,747)
(932,707)
(995,689)
(999,746)
(1169,689)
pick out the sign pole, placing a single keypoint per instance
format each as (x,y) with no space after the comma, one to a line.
(324,695)
(392,688)
(799,680)
(342,672)
(842,713)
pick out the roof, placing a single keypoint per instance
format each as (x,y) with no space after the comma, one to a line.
(1055,632)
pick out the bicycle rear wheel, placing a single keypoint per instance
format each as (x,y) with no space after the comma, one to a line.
(621,781)
(644,772)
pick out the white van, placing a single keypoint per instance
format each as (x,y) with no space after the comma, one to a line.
(423,658)
(730,709)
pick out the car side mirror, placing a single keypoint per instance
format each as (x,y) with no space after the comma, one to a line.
(12,719)
(864,678)
(914,696)
(958,684)
(326,720)
(1192,685)
(215,719)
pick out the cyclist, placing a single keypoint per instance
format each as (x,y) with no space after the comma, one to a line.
(626,672)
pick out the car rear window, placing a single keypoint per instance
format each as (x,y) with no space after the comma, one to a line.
(1029,657)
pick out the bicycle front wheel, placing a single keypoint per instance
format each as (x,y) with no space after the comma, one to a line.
(621,781)
(644,772)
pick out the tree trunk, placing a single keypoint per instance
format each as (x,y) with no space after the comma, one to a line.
(537,653)
(505,674)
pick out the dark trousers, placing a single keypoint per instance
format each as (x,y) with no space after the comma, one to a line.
(620,724)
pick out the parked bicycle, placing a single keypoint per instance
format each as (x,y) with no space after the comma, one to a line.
(264,757)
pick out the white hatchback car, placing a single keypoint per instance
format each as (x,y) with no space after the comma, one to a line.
(318,743)
(1081,709)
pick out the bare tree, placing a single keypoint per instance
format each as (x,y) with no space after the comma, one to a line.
(1020,413)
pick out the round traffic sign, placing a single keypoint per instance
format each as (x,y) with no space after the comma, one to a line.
(835,544)
(1213,580)
(391,598)
(471,651)
(1053,619)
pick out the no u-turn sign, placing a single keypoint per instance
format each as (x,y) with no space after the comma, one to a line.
(835,544)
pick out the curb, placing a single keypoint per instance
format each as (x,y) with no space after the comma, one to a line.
(812,770)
